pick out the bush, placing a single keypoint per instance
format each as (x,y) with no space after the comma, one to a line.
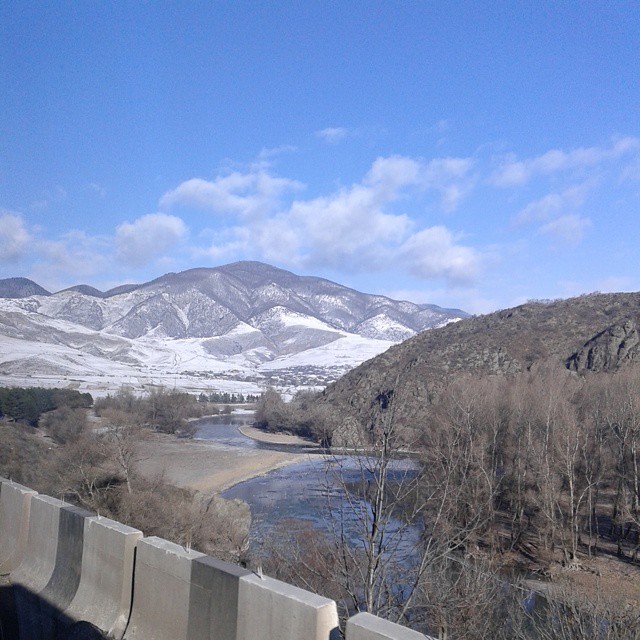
(65,424)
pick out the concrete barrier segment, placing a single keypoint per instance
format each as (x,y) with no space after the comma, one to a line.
(15,504)
(36,617)
(365,626)
(103,596)
(161,591)
(65,579)
(272,610)
(36,568)
(213,600)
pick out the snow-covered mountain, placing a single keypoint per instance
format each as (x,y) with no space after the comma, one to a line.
(244,325)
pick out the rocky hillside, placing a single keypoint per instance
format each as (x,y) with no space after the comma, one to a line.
(593,332)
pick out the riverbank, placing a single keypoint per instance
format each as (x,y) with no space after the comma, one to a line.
(205,466)
(277,438)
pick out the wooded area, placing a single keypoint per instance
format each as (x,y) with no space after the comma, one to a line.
(535,472)
(28,405)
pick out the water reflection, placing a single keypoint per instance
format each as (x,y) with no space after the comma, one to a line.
(223,430)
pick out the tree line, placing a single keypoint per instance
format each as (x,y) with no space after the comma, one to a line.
(228,398)
(27,405)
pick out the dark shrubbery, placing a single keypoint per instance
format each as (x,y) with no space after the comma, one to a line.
(27,405)
(227,398)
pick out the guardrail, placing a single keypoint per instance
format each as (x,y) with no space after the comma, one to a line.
(73,574)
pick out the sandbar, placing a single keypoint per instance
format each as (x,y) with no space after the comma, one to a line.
(208,467)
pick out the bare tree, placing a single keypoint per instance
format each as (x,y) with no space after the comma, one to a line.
(123,435)
(567,616)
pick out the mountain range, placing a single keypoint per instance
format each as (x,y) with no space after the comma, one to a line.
(246,323)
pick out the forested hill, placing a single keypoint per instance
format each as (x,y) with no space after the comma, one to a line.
(596,332)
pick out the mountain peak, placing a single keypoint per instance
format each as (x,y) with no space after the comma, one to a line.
(20,288)
(85,290)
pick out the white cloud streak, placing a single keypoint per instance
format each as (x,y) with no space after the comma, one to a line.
(332,135)
(245,194)
(552,205)
(570,228)
(148,237)
(514,172)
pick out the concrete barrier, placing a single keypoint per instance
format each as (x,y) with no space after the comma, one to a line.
(104,593)
(83,576)
(365,626)
(15,503)
(270,609)
(181,594)
(213,602)
(161,591)
(47,579)
(36,569)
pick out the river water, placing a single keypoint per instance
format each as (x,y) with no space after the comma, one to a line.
(318,490)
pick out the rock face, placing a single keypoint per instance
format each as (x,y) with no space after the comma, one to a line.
(609,349)
(245,315)
(596,332)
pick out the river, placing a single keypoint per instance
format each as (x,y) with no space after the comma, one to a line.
(317,490)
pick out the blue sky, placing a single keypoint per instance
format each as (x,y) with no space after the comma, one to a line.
(469,154)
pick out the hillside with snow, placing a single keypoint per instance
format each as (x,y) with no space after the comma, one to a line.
(239,327)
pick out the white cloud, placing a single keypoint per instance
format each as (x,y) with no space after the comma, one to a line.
(14,237)
(245,194)
(148,237)
(357,227)
(552,205)
(452,178)
(75,254)
(392,173)
(227,243)
(513,172)
(434,253)
(349,227)
(448,176)
(557,215)
(332,135)
(443,169)
(267,153)
(570,228)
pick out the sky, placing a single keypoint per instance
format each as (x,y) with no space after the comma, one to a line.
(467,154)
